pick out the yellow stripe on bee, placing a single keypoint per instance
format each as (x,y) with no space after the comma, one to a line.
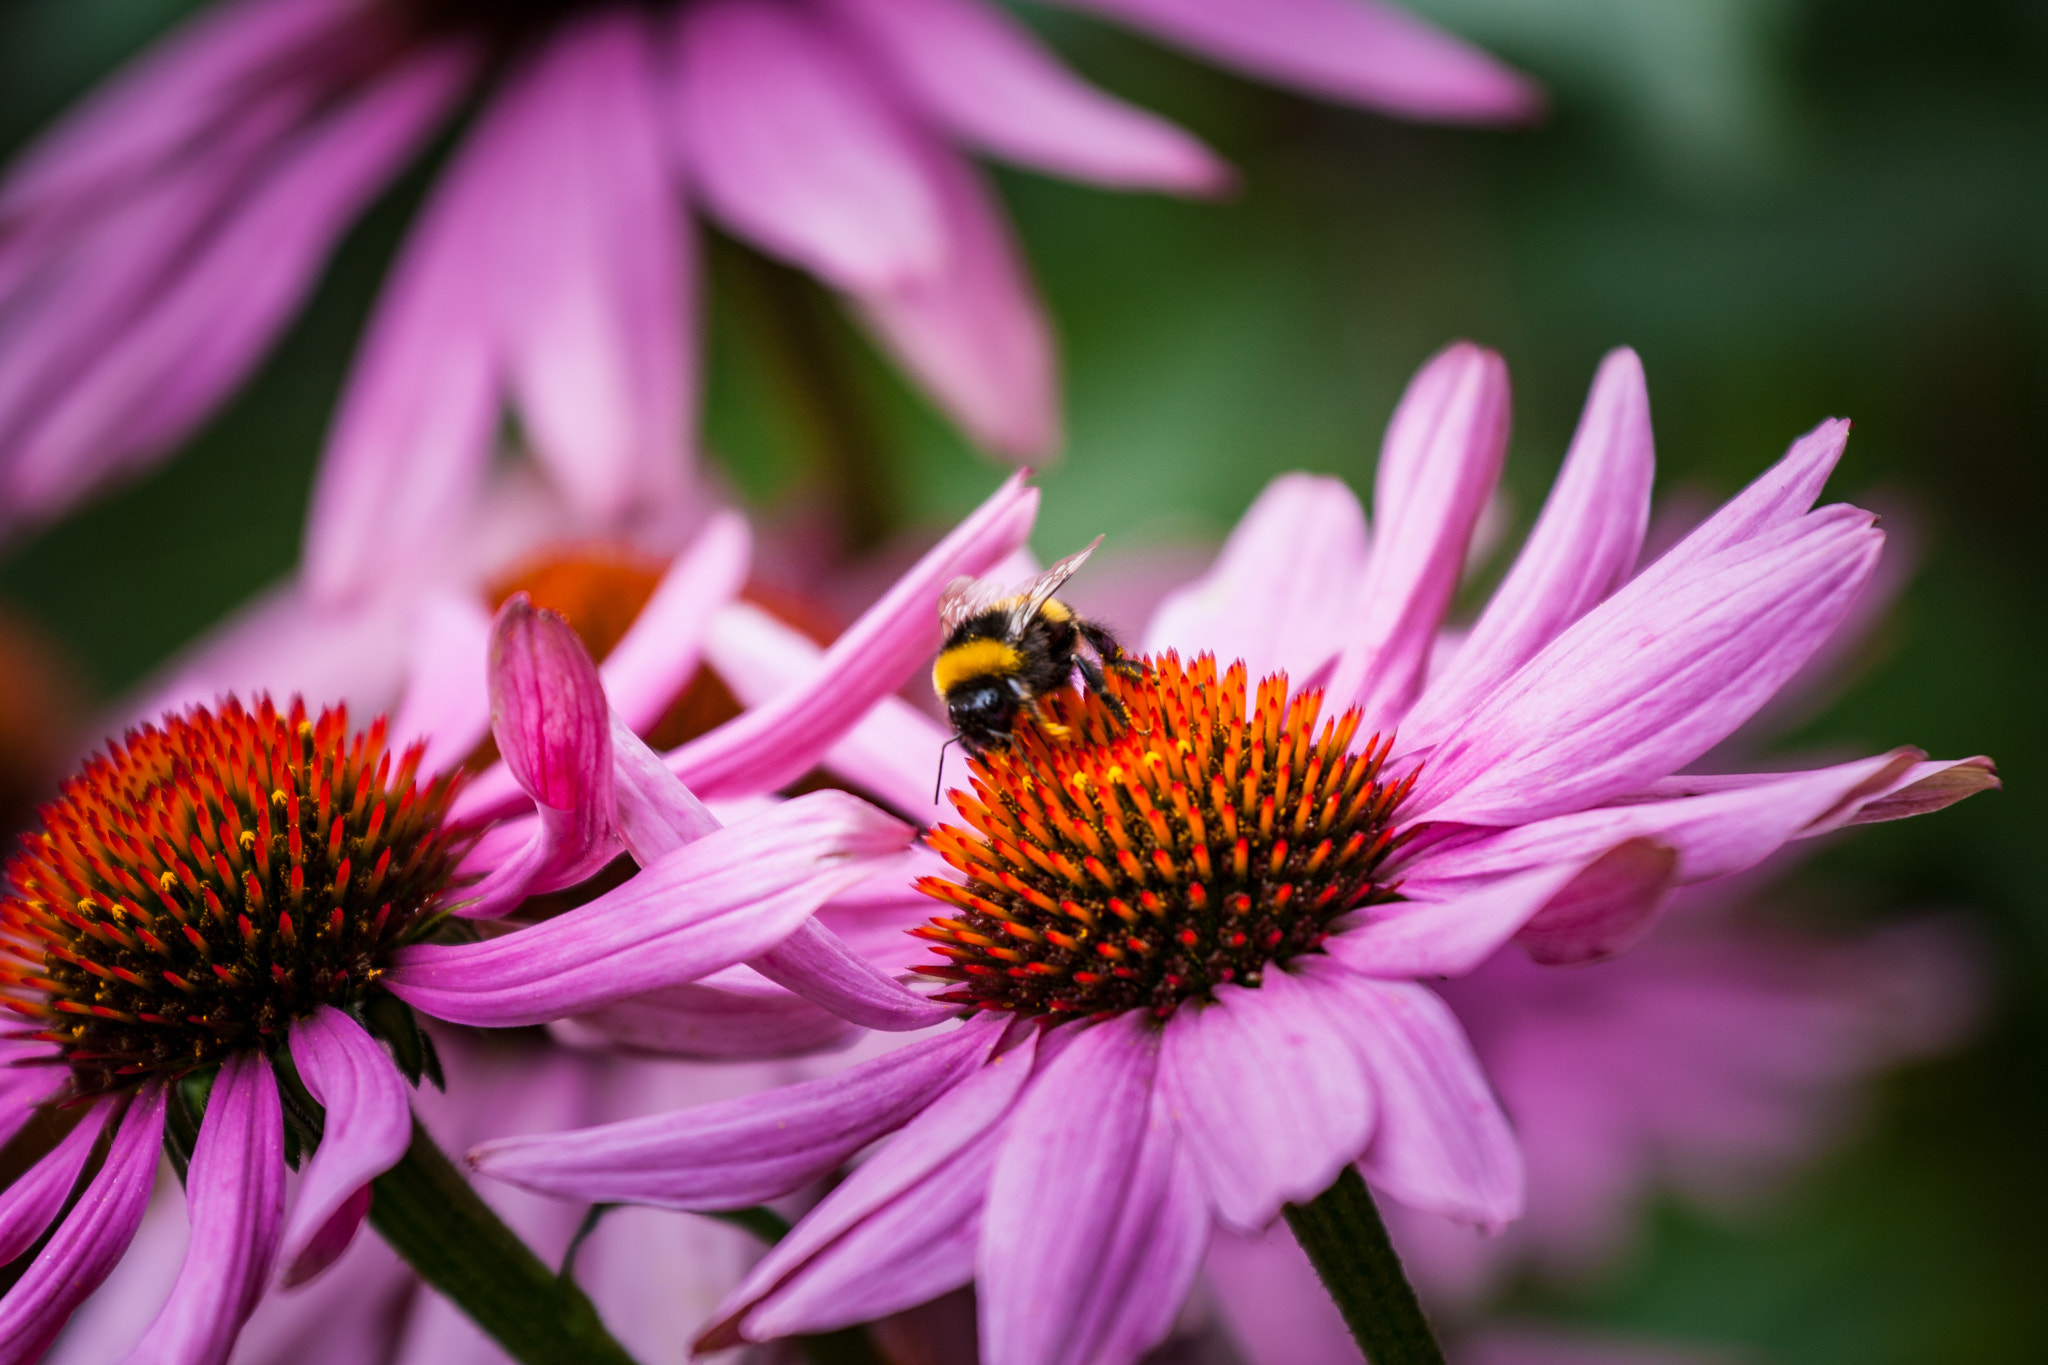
(1054,610)
(974,659)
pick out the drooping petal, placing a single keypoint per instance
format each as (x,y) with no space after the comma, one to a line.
(592,270)
(790,145)
(712,1022)
(1928,787)
(27,1078)
(210,317)
(817,965)
(659,651)
(740,1152)
(91,1240)
(369,1126)
(772,745)
(38,1194)
(657,814)
(554,729)
(864,1251)
(974,334)
(1652,678)
(727,897)
(1606,908)
(983,79)
(1440,1141)
(1439,464)
(1582,548)
(1415,938)
(1284,589)
(447,685)
(1361,51)
(236,1192)
(1269,1114)
(1086,1234)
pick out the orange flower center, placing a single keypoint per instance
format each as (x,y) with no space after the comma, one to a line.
(1136,863)
(198,886)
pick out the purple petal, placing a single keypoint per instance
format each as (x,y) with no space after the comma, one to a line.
(1359,51)
(554,729)
(236,1192)
(1284,590)
(791,146)
(27,1078)
(38,1194)
(1928,787)
(730,896)
(740,1152)
(815,964)
(447,686)
(590,270)
(1094,1225)
(657,814)
(659,652)
(1606,908)
(1441,1142)
(706,1021)
(981,77)
(208,322)
(91,1240)
(892,752)
(899,1231)
(773,745)
(974,335)
(1582,548)
(1269,1110)
(1652,678)
(1439,464)
(1779,496)
(1449,937)
(369,1126)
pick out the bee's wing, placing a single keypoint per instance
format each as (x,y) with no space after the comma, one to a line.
(966,598)
(1040,590)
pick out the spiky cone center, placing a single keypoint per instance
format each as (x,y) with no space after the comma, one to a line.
(1136,861)
(204,882)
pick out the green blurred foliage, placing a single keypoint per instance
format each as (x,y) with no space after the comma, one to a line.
(1792,208)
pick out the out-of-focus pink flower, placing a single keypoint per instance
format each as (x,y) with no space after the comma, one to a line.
(154,242)
(1206,889)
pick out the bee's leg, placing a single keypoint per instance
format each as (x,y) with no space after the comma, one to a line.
(1107,648)
(1046,722)
(1091,673)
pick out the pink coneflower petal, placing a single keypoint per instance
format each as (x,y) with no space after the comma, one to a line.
(1582,548)
(817,964)
(868,1249)
(24,1083)
(772,745)
(175,358)
(1924,788)
(713,1023)
(447,683)
(91,1241)
(369,1126)
(789,144)
(554,729)
(1283,591)
(660,650)
(981,77)
(975,334)
(1777,498)
(657,814)
(1268,1115)
(1095,1223)
(1421,938)
(1440,1142)
(892,752)
(1359,51)
(38,1194)
(740,1152)
(1440,462)
(730,896)
(236,1193)
(591,271)
(1653,677)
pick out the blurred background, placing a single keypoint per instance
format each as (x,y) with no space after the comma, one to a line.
(1792,208)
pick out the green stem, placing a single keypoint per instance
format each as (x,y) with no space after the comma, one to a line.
(431,1216)
(1341,1231)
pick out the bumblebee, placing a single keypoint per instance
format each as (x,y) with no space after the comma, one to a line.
(1005,650)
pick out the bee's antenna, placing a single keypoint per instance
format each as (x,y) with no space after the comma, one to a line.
(939,779)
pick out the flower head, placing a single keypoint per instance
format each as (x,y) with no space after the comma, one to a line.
(552,269)
(1072,1161)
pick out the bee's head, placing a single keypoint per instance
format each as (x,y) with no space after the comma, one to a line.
(982,712)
